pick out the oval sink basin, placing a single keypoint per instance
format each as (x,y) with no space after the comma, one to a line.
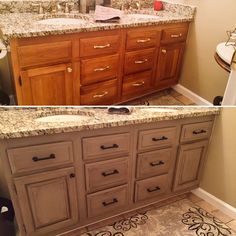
(62,118)
(61,21)
(143,16)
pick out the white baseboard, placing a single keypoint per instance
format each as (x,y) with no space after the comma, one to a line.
(191,95)
(219,204)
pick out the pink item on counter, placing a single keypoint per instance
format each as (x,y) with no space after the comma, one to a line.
(158,5)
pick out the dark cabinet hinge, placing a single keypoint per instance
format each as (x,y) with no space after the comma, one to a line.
(24,228)
(14,186)
(20,81)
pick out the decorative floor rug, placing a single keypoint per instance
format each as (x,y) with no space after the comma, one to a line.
(181,218)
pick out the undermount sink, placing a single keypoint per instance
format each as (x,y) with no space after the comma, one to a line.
(143,16)
(61,21)
(62,118)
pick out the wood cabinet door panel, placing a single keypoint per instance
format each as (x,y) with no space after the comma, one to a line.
(169,64)
(189,165)
(48,85)
(48,201)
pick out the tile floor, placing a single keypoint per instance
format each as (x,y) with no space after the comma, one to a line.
(168,97)
(185,215)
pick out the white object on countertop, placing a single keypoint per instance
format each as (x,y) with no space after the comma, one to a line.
(3,50)
(229,98)
(225,52)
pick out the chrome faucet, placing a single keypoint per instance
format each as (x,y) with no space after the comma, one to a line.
(130,5)
(40,8)
(56,7)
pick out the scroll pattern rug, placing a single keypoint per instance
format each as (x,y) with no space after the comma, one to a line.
(181,218)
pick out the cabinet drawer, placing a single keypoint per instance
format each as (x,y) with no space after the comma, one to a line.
(152,187)
(138,39)
(136,84)
(40,157)
(155,163)
(156,138)
(139,61)
(99,69)
(106,174)
(103,93)
(106,146)
(99,45)
(196,131)
(174,35)
(44,53)
(107,201)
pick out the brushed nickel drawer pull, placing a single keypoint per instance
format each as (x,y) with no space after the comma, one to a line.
(100,95)
(138,84)
(51,156)
(102,69)
(202,131)
(110,203)
(109,147)
(157,163)
(159,139)
(102,46)
(164,51)
(114,172)
(143,40)
(150,190)
(141,61)
(176,35)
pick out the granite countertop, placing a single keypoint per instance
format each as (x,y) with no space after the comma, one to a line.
(24,24)
(20,122)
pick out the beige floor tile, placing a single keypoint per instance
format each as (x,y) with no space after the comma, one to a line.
(184,100)
(174,93)
(206,206)
(221,216)
(232,225)
(193,198)
(145,209)
(77,232)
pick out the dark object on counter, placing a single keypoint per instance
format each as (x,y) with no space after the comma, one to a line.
(218,101)
(7,218)
(119,110)
(4,98)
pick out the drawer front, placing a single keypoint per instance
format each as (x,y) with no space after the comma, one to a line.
(156,138)
(99,45)
(152,187)
(136,84)
(99,69)
(196,131)
(107,201)
(174,35)
(103,93)
(106,146)
(138,39)
(44,53)
(106,174)
(40,157)
(139,61)
(155,163)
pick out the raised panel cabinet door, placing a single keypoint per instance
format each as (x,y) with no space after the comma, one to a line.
(51,85)
(48,201)
(169,65)
(189,165)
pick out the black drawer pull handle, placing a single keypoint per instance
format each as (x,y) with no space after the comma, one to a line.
(157,163)
(52,156)
(109,147)
(202,131)
(72,175)
(159,139)
(110,203)
(110,173)
(150,190)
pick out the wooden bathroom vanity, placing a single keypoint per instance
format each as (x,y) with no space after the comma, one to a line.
(64,181)
(95,68)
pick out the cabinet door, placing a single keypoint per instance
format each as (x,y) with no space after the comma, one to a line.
(47,85)
(169,65)
(48,201)
(189,165)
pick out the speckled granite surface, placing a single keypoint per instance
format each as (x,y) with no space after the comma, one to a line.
(19,122)
(25,24)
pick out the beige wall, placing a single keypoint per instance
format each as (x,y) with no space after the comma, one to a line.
(200,73)
(219,176)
